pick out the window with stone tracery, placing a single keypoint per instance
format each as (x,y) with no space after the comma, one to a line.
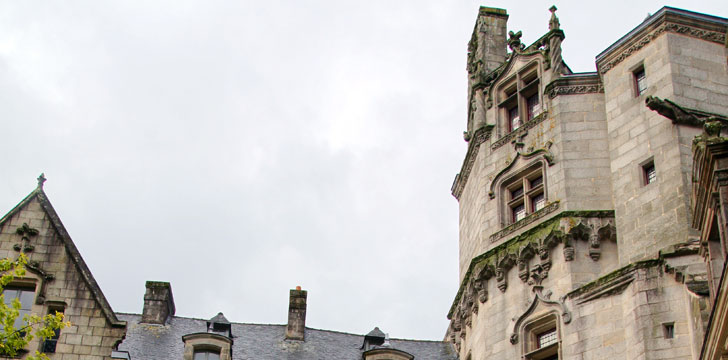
(520,99)
(524,193)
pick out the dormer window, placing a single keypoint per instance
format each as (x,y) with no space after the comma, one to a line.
(520,99)
(219,325)
(215,344)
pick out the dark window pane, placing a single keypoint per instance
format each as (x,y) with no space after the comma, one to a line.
(536,182)
(650,173)
(534,106)
(514,120)
(516,193)
(640,81)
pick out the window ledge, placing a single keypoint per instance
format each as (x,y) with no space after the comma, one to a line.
(520,224)
(525,127)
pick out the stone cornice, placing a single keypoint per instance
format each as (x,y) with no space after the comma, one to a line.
(610,282)
(667,20)
(548,233)
(589,83)
(479,137)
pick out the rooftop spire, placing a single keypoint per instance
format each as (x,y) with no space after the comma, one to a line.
(554,21)
(41,180)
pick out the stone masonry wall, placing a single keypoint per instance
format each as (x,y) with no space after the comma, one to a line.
(638,135)
(90,336)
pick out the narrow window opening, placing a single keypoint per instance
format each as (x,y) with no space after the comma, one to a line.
(649,173)
(640,81)
(49,344)
(668,330)
(534,106)
(514,120)
(542,339)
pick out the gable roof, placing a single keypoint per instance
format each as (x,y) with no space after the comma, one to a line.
(263,342)
(71,249)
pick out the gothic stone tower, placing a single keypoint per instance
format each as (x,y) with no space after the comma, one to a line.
(575,221)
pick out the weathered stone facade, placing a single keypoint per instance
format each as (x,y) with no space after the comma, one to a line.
(60,279)
(576,227)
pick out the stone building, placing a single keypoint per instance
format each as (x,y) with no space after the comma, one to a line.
(593,217)
(577,235)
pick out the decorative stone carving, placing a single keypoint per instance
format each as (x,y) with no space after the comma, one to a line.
(539,296)
(25,233)
(45,277)
(564,228)
(672,111)
(555,39)
(568,249)
(514,41)
(595,251)
(525,253)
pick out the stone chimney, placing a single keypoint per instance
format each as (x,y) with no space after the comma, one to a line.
(490,32)
(158,303)
(296,314)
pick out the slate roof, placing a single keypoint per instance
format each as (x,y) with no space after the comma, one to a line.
(262,342)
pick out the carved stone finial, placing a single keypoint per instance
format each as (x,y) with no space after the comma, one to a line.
(554,21)
(514,41)
(41,180)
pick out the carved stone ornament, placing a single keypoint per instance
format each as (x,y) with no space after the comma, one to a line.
(514,41)
(45,277)
(568,249)
(539,296)
(25,232)
(530,252)
(672,111)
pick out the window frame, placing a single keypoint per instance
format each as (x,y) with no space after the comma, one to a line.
(206,351)
(648,172)
(519,191)
(21,287)
(545,324)
(639,80)
(515,93)
(49,345)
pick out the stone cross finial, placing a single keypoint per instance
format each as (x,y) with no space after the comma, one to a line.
(41,180)
(554,21)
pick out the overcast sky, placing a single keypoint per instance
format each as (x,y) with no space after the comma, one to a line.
(238,149)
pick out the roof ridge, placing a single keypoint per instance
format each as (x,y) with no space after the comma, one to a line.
(307,327)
